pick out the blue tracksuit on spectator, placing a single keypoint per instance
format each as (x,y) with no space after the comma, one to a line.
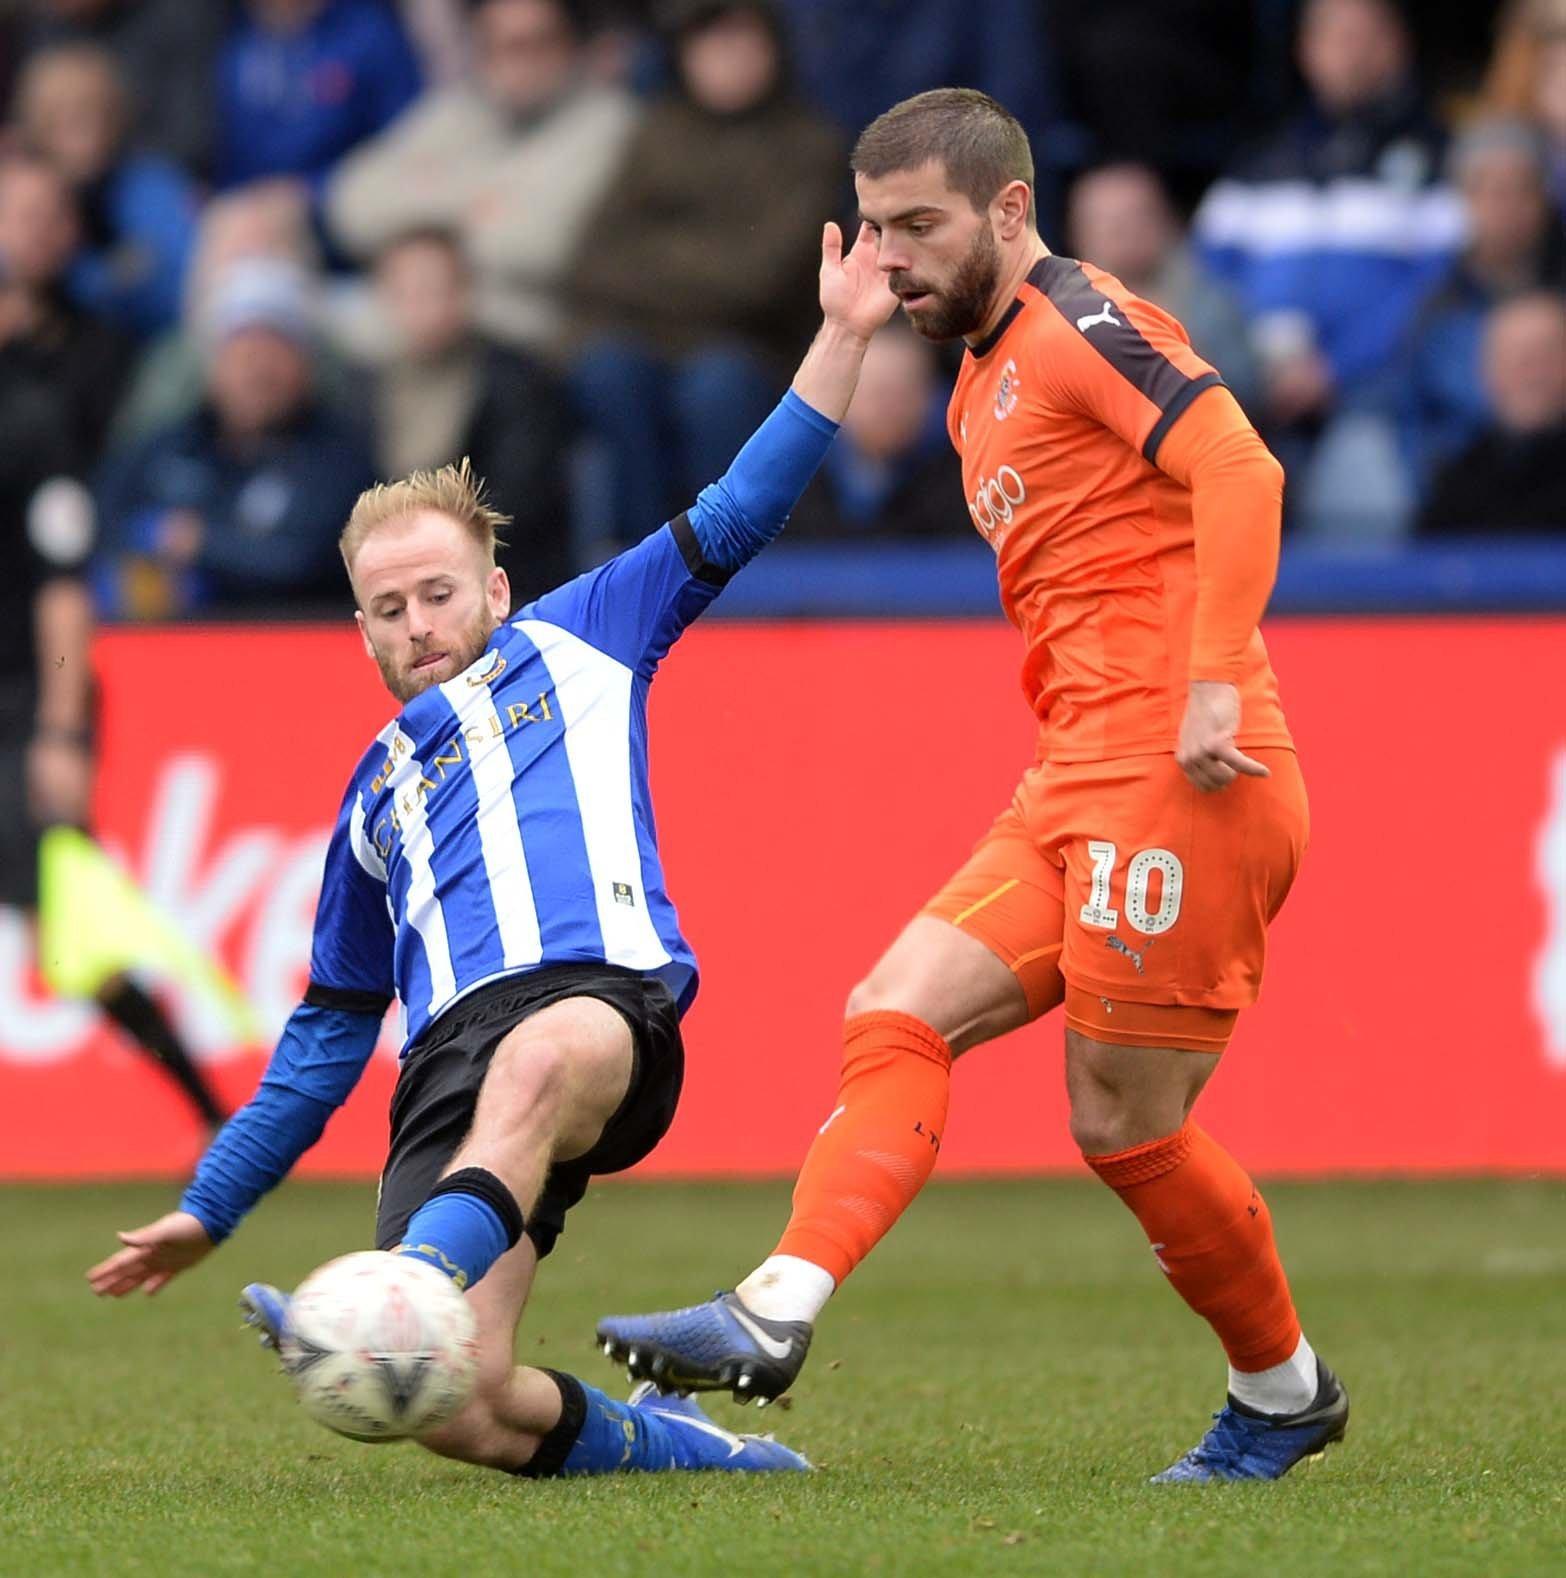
(1342,224)
(294,103)
(270,516)
(141,227)
(1443,406)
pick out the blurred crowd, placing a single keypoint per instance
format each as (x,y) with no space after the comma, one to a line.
(255,255)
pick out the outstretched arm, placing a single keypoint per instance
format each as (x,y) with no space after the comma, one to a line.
(317,1063)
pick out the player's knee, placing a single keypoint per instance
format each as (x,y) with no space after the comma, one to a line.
(881,992)
(1102,1127)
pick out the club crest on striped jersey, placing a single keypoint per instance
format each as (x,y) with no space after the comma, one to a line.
(490,672)
(1006,392)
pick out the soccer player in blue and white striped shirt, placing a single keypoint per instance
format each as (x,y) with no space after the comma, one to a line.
(495,867)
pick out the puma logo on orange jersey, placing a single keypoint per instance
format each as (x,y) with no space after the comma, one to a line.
(1133,954)
(1107,315)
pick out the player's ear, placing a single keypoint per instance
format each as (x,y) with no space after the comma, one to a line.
(497,592)
(1012,209)
(364,634)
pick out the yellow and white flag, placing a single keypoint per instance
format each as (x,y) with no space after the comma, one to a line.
(94,922)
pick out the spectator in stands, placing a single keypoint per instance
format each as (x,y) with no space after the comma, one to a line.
(1527,79)
(856,58)
(61,368)
(1512,477)
(513,163)
(438,31)
(167,53)
(1549,107)
(692,286)
(239,505)
(1336,230)
(1174,83)
(892,471)
(268,220)
(138,210)
(301,82)
(1120,218)
(442,391)
(1516,243)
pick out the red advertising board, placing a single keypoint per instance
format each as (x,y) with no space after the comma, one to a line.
(814,783)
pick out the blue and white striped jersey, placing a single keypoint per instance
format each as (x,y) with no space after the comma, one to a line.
(502,822)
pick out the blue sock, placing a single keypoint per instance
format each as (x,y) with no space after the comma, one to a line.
(468,1222)
(599,1435)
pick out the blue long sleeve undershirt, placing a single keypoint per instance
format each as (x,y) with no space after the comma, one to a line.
(737,516)
(323,1051)
(318,1061)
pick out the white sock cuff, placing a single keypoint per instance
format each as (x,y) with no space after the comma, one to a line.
(1286,1388)
(785,1287)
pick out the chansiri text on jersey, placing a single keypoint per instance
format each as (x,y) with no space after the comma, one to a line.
(453,753)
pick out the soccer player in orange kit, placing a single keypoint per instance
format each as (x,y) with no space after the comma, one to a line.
(1135,517)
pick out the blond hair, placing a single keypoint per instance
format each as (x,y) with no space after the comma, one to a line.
(453,491)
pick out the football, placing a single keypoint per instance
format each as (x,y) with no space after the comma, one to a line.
(380,1346)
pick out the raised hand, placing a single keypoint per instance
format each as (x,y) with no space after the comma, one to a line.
(152,1256)
(854,292)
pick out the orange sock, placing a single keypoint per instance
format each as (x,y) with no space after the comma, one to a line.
(873,1155)
(1212,1233)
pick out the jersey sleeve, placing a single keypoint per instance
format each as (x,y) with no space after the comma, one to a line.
(635,606)
(1237,522)
(351,953)
(1118,359)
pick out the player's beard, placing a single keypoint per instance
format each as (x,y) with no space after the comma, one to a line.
(962,306)
(407,682)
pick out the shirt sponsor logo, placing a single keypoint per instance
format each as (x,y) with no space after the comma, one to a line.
(454,753)
(995,502)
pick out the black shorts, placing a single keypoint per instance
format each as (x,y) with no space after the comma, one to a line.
(437,1090)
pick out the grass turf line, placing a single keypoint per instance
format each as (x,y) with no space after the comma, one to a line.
(987,1396)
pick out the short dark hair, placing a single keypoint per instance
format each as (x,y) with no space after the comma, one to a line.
(979,141)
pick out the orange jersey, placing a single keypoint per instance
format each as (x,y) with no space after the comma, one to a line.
(1081,421)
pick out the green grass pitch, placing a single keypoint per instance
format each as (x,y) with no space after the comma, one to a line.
(986,1397)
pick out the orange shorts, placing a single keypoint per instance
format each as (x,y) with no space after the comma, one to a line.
(1139,902)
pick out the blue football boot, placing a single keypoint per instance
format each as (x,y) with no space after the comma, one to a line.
(694,1441)
(709,1347)
(265,1309)
(1244,1444)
